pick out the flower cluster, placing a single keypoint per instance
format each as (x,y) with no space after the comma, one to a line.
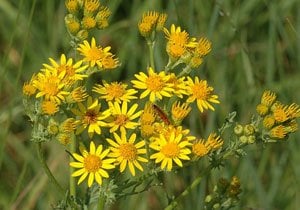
(278,119)
(136,126)
(85,15)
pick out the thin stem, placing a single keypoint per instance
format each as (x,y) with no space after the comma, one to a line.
(72,179)
(47,170)
(195,183)
(151,45)
(101,202)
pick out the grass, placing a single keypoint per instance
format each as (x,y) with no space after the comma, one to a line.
(256,45)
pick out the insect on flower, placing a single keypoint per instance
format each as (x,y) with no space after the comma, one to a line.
(162,115)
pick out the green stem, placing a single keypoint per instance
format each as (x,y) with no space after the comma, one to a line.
(47,170)
(72,179)
(195,183)
(186,70)
(101,202)
(151,45)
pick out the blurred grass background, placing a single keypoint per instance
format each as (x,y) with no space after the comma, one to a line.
(256,45)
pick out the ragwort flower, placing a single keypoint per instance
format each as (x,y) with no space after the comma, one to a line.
(155,84)
(90,117)
(127,152)
(202,93)
(93,164)
(169,149)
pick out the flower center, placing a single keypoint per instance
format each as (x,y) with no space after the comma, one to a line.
(94,54)
(90,117)
(115,90)
(121,119)
(51,88)
(170,150)
(128,151)
(175,50)
(201,91)
(179,38)
(200,149)
(154,83)
(92,163)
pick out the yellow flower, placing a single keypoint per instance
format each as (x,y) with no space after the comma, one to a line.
(28,87)
(68,126)
(93,164)
(127,152)
(151,21)
(148,115)
(202,93)
(262,109)
(281,114)
(268,121)
(64,138)
(102,16)
(278,131)
(72,6)
(94,54)
(169,149)
(203,47)
(78,94)
(178,85)
(268,98)
(155,85)
(51,86)
(72,72)
(115,92)
(201,148)
(90,117)
(49,107)
(91,6)
(88,22)
(122,117)
(180,111)
(147,23)
(178,41)
(72,24)
(293,111)
(147,130)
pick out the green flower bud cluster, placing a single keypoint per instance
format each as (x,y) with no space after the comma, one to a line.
(245,133)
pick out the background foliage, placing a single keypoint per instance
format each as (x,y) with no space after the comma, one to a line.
(256,45)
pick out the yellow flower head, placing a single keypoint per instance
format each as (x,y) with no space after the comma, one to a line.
(115,92)
(281,114)
(93,164)
(28,88)
(122,117)
(278,131)
(201,147)
(72,24)
(91,6)
(49,107)
(178,85)
(148,23)
(168,149)
(293,111)
(50,86)
(127,152)
(64,138)
(180,111)
(161,21)
(77,95)
(148,115)
(96,55)
(268,121)
(202,93)
(101,17)
(262,109)
(268,98)
(72,72)
(90,117)
(88,22)
(68,126)
(155,85)
(72,6)
(147,130)
(203,47)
